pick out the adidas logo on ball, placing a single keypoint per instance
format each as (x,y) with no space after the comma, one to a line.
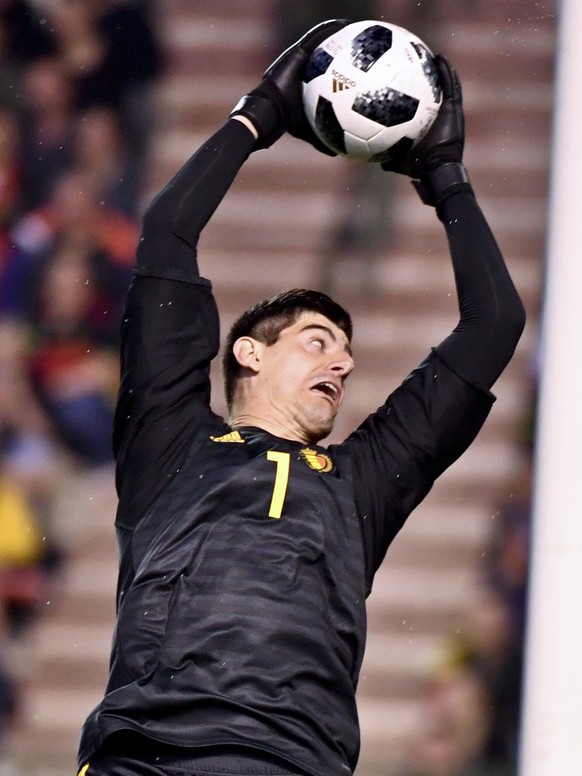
(341,82)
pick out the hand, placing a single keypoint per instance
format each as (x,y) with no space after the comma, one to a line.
(437,161)
(276,104)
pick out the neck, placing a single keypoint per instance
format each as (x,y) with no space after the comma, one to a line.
(284,430)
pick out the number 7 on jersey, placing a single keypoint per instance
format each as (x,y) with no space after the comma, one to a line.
(281,479)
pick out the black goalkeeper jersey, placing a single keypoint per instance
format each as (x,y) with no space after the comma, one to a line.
(246,559)
(243,583)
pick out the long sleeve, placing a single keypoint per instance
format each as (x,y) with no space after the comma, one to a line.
(170,329)
(434,415)
(174,219)
(492,316)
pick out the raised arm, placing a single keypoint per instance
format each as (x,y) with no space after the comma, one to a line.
(431,419)
(170,331)
(492,316)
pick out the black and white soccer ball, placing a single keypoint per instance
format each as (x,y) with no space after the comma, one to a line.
(371,91)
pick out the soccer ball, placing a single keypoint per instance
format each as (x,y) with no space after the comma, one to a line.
(371,91)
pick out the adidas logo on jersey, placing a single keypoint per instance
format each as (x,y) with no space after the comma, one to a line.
(233,436)
(341,82)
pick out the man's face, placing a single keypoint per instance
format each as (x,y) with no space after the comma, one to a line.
(301,378)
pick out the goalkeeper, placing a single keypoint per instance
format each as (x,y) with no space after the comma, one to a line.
(247,549)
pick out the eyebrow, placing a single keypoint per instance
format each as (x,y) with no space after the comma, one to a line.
(327,330)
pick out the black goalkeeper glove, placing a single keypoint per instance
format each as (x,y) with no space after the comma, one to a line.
(276,104)
(436,163)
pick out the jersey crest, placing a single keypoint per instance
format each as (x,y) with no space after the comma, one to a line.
(320,462)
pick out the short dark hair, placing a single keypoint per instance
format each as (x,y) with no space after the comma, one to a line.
(267,319)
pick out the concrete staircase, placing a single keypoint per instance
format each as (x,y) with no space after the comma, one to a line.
(264,237)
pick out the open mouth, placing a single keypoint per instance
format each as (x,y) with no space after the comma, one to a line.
(328,389)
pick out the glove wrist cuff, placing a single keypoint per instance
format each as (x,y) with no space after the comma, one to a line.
(265,116)
(439,184)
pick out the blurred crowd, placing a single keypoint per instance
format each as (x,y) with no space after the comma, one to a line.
(471,701)
(76,117)
(470,711)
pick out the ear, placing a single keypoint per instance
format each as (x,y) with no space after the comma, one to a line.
(248,352)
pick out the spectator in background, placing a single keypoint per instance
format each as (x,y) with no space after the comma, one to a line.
(485,643)
(75,311)
(74,207)
(103,159)
(132,35)
(21,546)
(86,55)
(24,37)
(67,277)
(10,177)
(453,726)
(111,54)
(47,129)
(25,34)
(29,554)
(471,704)
(506,567)
(26,444)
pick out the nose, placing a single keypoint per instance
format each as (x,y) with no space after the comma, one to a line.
(342,364)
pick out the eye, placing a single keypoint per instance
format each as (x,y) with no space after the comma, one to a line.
(318,343)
